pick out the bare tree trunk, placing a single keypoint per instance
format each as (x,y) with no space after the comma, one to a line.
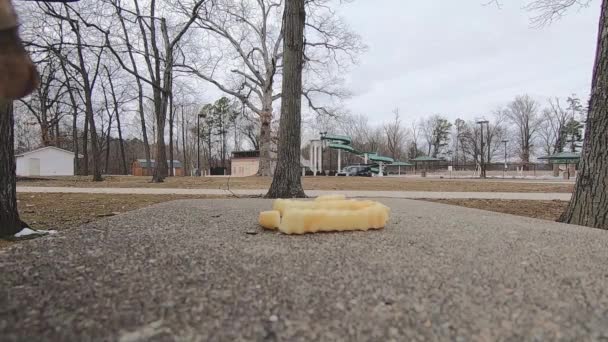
(287,181)
(184,140)
(161,96)
(171,113)
(85,146)
(589,204)
(121,144)
(94,139)
(161,167)
(10,223)
(75,136)
(107,171)
(57,133)
(265,168)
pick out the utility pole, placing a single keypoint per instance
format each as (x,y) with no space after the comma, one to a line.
(201,114)
(457,139)
(505,168)
(184,141)
(483,165)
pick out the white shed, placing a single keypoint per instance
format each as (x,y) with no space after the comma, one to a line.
(46,161)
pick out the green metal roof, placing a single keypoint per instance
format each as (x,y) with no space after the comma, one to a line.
(341,139)
(399,163)
(344,147)
(563,156)
(425,159)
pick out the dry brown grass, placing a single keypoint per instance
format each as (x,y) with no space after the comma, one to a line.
(309,183)
(546,210)
(63,211)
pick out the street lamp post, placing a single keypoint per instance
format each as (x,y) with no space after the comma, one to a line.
(451,154)
(323,134)
(483,165)
(201,114)
(505,168)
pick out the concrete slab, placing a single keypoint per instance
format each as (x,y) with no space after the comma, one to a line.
(201,270)
(349,193)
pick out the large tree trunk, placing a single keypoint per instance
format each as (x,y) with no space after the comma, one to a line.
(589,204)
(287,182)
(94,139)
(161,167)
(265,168)
(9,215)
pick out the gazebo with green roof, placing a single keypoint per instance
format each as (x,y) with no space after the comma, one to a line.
(425,160)
(563,158)
(399,164)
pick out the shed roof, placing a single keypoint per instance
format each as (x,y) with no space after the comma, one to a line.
(246,154)
(425,159)
(562,156)
(45,148)
(399,163)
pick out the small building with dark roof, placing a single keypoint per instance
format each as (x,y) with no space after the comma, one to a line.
(245,163)
(140,167)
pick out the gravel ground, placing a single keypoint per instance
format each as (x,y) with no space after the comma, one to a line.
(202,270)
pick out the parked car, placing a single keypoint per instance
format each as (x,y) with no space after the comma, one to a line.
(356,170)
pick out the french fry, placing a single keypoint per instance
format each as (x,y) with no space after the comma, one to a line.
(270,219)
(283,204)
(330,198)
(307,220)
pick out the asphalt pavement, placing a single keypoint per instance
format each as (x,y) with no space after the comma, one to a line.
(202,270)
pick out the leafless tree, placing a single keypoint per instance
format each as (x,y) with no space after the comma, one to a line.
(249,35)
(435,130)
(159,60)
(88,72)
(415,132)
(44,104)
(395,136)
(552,125)
(523,115)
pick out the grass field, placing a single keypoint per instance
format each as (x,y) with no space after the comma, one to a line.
(310,183)
(546,210)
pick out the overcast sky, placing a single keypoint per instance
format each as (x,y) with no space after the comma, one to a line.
(462,59)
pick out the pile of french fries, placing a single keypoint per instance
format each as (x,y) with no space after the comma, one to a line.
(324,214)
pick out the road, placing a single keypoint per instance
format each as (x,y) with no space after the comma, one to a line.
(348,193)
(202,270)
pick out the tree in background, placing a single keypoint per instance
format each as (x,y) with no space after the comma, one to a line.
(250,36)
(436,131)
(589,204)
(221,116)
(523,115)
(573,135)
(395,136)
(287,182)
